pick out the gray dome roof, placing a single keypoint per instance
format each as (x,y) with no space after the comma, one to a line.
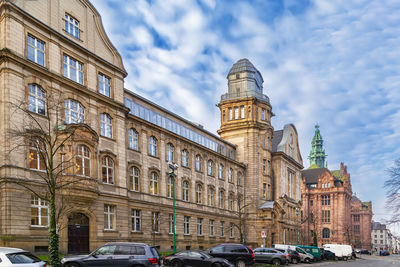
(244,65)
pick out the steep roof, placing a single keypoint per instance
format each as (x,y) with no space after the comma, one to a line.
(276,140)
(311,175)
(378,226)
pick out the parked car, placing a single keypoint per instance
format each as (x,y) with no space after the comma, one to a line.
(384,253)
(238,254)
(365,251)
(315,251)
(290,256)
(118,254)
(327,255)
(19,257)
(270,255)
(194,259)
(342,252)
(305,257)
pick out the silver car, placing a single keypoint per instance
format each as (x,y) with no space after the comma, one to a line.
(19,257)
(269,255)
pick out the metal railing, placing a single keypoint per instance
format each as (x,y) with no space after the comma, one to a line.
(228,96)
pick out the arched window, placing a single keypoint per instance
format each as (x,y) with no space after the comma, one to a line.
(220,171)
(185,191)
(133,139)
(170,152)
(135,179)
(221,199)
(198,163)
(230,201)
(107,170)
(326,233)
(169,186)
(153,146)
(199,193)
(210,167)
(82,160)
(153,190)
(105,125)
(230,175)
(210,196)
(36,99)
(185,158)
(37,155)
(74,112)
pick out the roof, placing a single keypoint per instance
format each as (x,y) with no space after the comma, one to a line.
(276,140)
(242,65)
(378,226)
(311,175)
(338,175)
(267,205)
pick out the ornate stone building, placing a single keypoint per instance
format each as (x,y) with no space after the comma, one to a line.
(58,67)
(330,214)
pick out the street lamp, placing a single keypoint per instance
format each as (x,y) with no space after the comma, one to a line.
(173,167)
(297,215)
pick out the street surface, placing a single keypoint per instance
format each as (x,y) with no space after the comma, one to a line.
(364,261)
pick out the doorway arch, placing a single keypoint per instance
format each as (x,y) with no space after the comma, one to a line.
(78,233)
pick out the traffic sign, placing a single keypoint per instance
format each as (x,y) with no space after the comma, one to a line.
(263,235)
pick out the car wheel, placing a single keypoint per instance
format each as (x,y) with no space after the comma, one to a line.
(276,262)
(345,258)
(176,264)
(240,264)
(307,260)
(72,264)
(217,265)
(294,261)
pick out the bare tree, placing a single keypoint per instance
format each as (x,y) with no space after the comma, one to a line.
(392,185)
(48,143)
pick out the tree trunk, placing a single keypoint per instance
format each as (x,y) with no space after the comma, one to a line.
(53,238)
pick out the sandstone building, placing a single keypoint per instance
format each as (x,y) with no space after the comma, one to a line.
(57,66)
(330,213)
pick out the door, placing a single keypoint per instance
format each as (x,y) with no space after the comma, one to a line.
(78,233)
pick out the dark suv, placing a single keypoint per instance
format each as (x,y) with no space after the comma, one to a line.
(238,254)
(117,254)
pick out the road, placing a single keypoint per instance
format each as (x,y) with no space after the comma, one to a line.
(364,261)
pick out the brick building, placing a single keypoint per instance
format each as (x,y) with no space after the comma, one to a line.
(122,190)
(330,213)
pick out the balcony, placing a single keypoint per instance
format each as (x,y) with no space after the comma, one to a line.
(231,96)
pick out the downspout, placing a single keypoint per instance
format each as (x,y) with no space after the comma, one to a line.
(244,204)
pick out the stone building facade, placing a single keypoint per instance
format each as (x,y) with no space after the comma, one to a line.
(330,213)
(58,67)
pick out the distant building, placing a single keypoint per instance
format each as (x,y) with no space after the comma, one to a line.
(330,214)
(380,237)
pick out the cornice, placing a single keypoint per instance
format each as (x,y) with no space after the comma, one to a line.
(287,157)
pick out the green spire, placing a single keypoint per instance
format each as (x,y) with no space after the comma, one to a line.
(317,155)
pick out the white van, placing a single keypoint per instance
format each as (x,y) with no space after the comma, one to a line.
(304,256)
(342,252)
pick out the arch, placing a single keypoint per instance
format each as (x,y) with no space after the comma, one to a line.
(326,233)
(133,139)
(185,158)
(153,146)
(78,233)
(106,125)
(107,170)
(185,190)
(210,167)
(170,150)
(199,193)
(134,178)
(198,162)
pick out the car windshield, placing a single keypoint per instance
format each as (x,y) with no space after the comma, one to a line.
(22,257)
(205,255)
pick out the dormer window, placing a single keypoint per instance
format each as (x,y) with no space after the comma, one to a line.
(72,26)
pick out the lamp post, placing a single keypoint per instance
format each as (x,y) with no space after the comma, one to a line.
(173,167)
(297,215)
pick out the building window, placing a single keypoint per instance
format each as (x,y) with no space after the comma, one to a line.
(264,192)
(199,192)
(39,211)
(185,158)
(82,160)
(72,26)
(153,146)
(72,69)
(239,178)
(269,192)
(290,182)
(199,226)
(326,200)
(153,190)
(198,163)
(326,216)
(107,170)
(264,166)
(221,229)
(210,196)
(230,175)
(326,233)
(230,116)
(356,218)
(171,224)
(262,114)
(356,229)
(170,152)
(169,186)
(105,125)
(185,191)
(133,139)
(220,171)
(134,179)
(221,199)
(231,230)
(311,202)
(236,113)
(211,227)
(74,112)
(109,217)
(37,155)
(104,85)
(230,202)
(155,222)
(136,220)
(35,50)
(186,225)
(242,112)
(210,167)
(36,99)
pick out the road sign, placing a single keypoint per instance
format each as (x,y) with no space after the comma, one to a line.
(263,235)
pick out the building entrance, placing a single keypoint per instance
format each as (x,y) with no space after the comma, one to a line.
(78,233)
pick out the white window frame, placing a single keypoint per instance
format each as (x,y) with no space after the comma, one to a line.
(230,114)
(133,139)
(170,152)
(221,199)
(36,99)
(210,167)
(198,163)
(230,201)
(199,193)
(106,125)
(199,226)
(38,47)
(210,197)
(72,69)
(134,179)
(211,228)
(42,206)
(136,220)
(171,224)
(81,151)
(221,229)
(236,112)
(185,158)
(107,168)
(169,187)
(104,84)
(72,26)
(230,175)
(37,155)
(186,225)
(155,222)
(74,112)
(220,171)
(231,234)
(109,217)
(242,112)
(153,146)
(185,191)
(153,188)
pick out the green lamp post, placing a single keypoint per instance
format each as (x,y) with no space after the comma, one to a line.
(297,215)
(173,167)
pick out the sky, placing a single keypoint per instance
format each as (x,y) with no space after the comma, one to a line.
(335,63)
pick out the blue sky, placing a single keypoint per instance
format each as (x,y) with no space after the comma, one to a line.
(335,63)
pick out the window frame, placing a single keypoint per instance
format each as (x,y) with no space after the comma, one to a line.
(185,158)
(198,163)
(84,159)
(210,168)
(38,96)
(106,125)
(133,139)
(41,205)
(68,112)
(104,84)
(36,49)
(107,166)
(136,218)
(109,217)
(211,197)
(153,185)
(69,69)
(211,227)
(200,226)
(153,146)
(185,191)
(170,152)
(221,199)
(73,23)
(155,222)
(37,155)
(134,179)
(220,171)
(199,193)
(186,225)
